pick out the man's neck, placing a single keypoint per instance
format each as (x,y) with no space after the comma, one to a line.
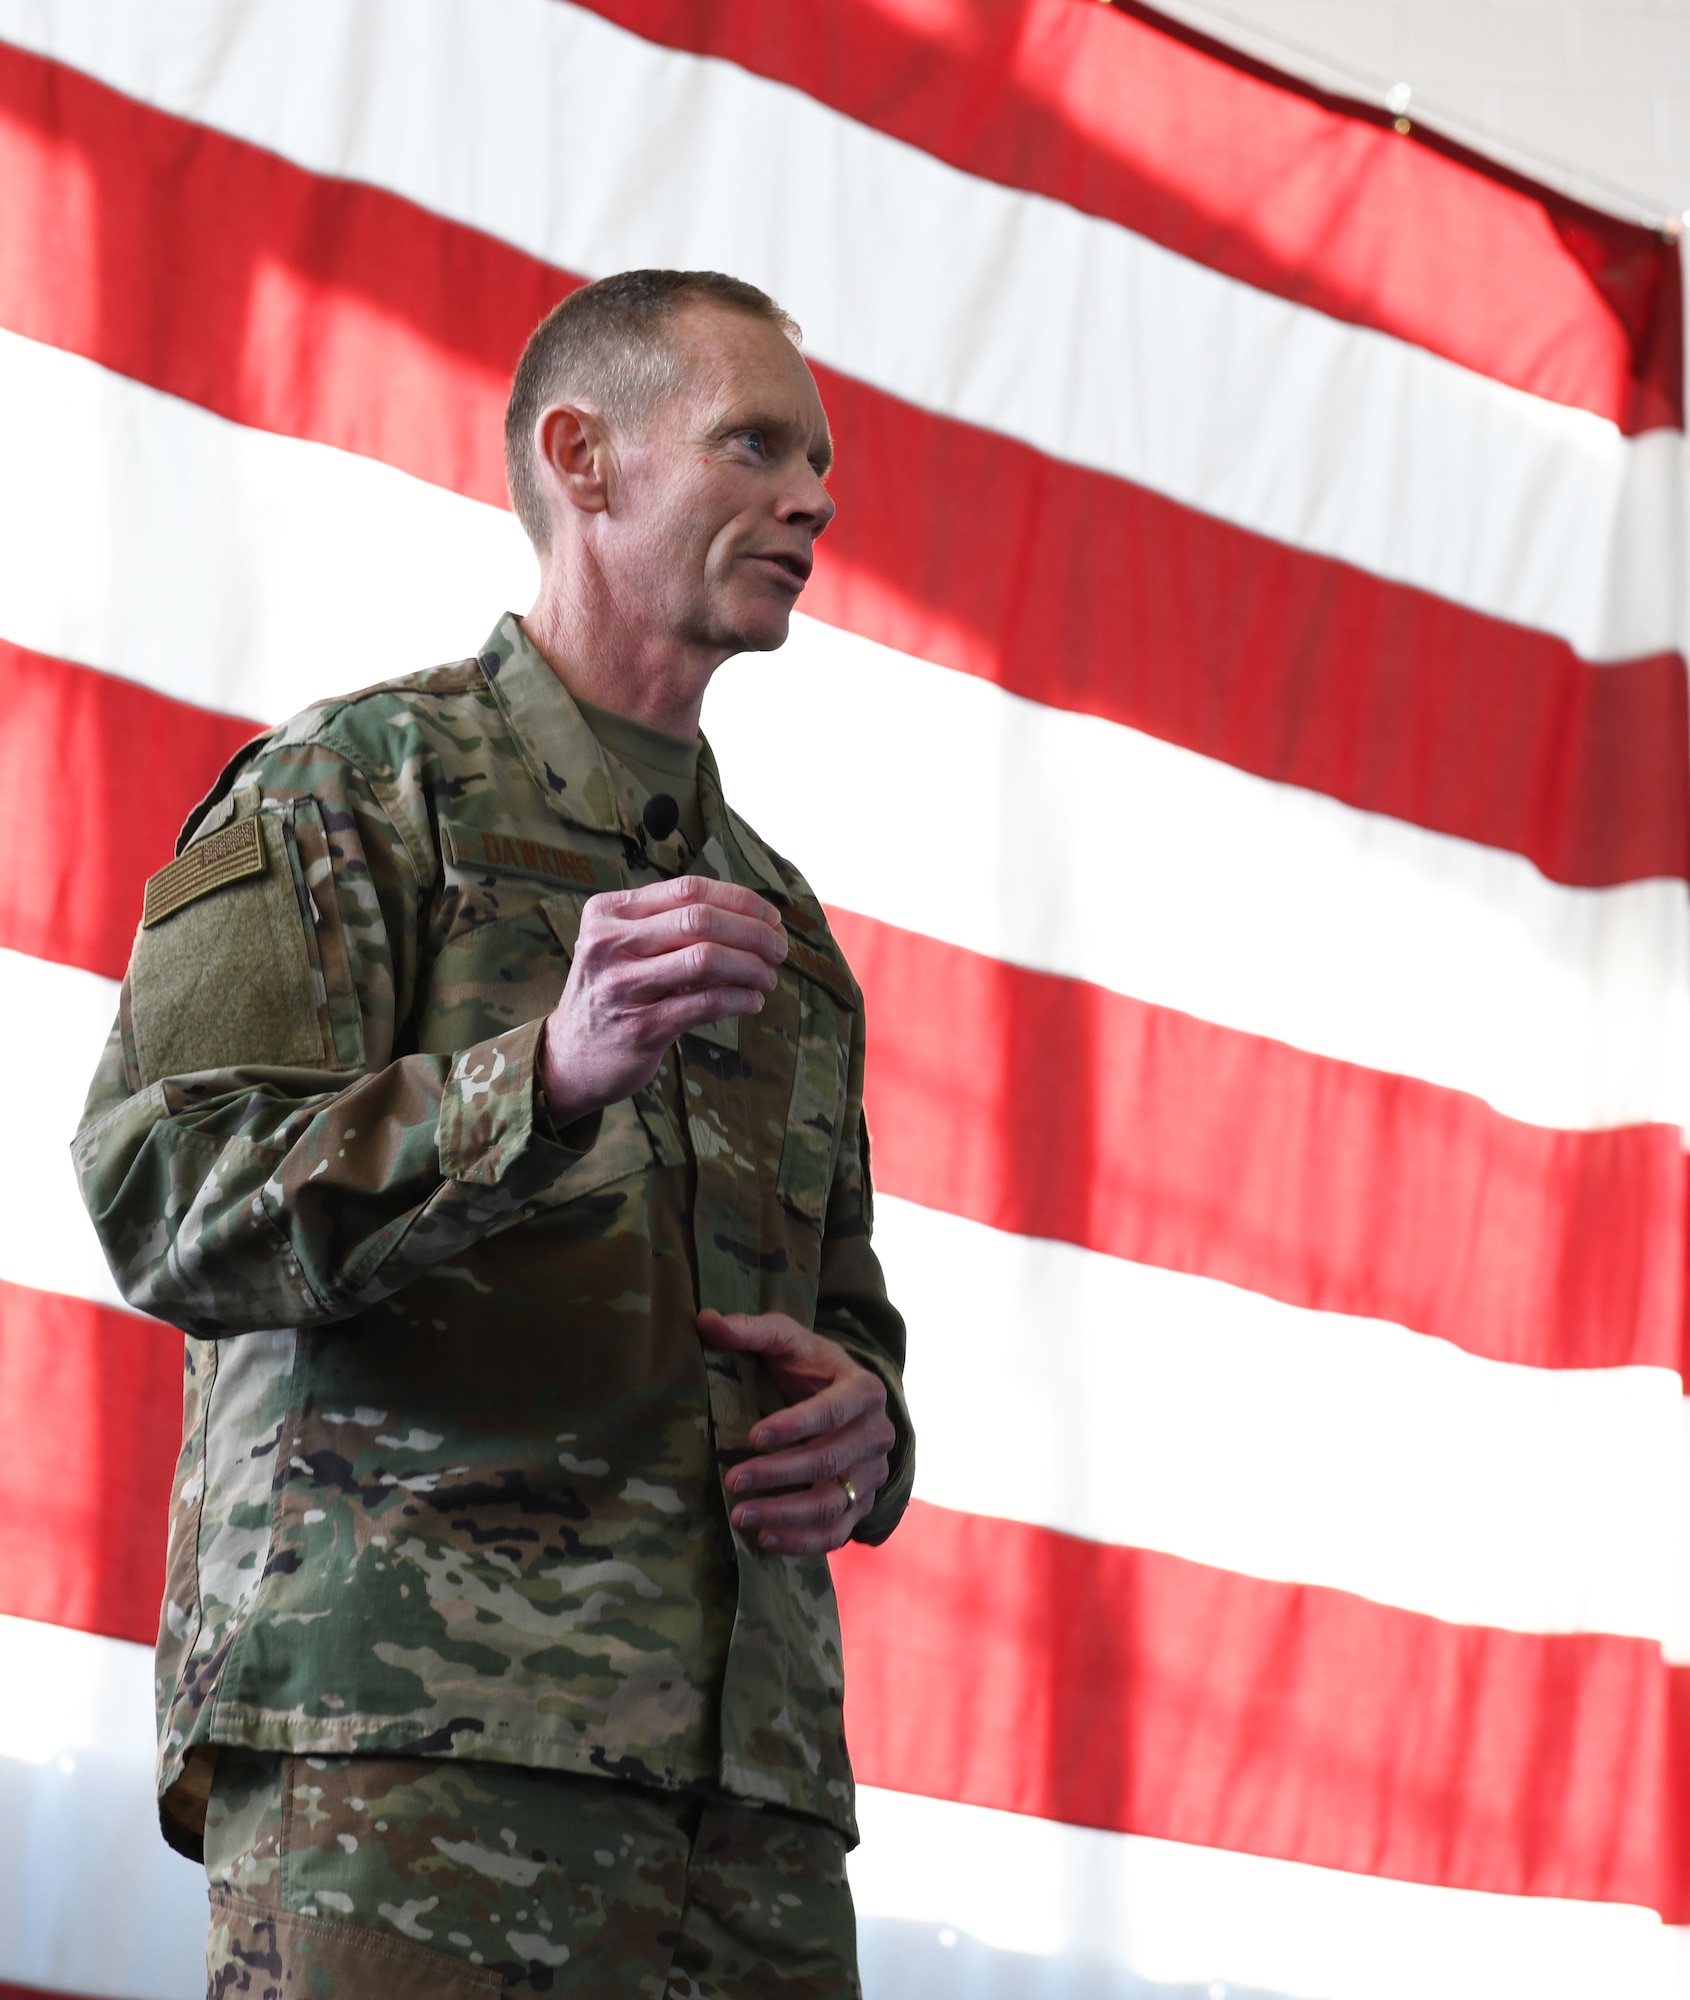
(662,763)
(598,659)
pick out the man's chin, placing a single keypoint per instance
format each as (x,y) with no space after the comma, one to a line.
(766,632)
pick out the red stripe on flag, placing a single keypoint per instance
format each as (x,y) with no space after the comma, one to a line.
(90,1427)
(1035,1104)
(316,308)
(1138,119)
(1052,1108)
(1007,1666)
(335,312)
(1081,591)
(96,778)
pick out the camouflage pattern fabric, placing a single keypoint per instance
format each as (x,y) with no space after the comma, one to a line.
(355,1878)
(455,1488)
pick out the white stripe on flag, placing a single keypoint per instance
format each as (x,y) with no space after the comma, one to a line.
(1162,1411)
(1151,1408)
(250,572)
(1072,845)
(91,1899)
(54,1020)
(226,566)
(1033,1907)
(1005,309)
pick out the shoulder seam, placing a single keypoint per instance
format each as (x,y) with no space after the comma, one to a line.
(411,684)
(377,792)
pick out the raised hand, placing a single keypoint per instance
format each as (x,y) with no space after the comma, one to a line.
(649,964)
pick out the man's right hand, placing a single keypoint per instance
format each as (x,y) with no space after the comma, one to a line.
(650,963)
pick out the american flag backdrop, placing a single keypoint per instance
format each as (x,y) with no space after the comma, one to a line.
(1238,723)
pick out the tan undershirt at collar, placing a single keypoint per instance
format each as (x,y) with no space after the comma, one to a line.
(661,762)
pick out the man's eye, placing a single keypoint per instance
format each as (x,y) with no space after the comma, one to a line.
(754,439)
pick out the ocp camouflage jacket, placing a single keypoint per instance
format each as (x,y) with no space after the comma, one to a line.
(450,1481)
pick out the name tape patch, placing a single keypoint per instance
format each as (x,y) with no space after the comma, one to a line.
(479,848)
(228,855)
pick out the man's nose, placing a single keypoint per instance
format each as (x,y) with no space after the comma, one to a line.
(807,502)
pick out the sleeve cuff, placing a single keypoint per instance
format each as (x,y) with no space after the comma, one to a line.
(492,1126)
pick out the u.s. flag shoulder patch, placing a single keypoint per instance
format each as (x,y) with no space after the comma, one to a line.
(228,855)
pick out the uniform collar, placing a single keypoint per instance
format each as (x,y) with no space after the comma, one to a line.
(578,781)
(585,787)
(751,864)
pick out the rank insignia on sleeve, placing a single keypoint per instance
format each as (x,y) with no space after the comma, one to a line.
(818,966)
(228,855)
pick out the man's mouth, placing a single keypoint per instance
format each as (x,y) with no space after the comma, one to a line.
(796,567)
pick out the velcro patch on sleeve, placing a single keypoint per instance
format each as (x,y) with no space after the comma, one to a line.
(229,855)
(477,849)
(229,981)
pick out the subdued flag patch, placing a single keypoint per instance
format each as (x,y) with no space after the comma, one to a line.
(229,855)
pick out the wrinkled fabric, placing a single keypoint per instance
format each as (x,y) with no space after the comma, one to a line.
(450,1482)
(357,1878)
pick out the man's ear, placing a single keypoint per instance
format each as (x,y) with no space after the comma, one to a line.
(577,463)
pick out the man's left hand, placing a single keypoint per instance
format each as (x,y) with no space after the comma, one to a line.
(834,1438)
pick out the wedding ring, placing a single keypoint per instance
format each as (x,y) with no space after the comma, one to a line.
(850,1493)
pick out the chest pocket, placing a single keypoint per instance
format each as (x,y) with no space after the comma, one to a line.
(811,1144)
(487,978)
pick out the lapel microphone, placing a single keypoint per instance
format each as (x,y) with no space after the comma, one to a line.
(661,816)
(659,819)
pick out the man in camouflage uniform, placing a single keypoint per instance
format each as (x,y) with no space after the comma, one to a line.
(490,1120)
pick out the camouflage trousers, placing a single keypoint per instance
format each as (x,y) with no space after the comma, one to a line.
(365,1878)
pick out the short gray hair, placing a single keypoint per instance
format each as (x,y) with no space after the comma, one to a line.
(610,345)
